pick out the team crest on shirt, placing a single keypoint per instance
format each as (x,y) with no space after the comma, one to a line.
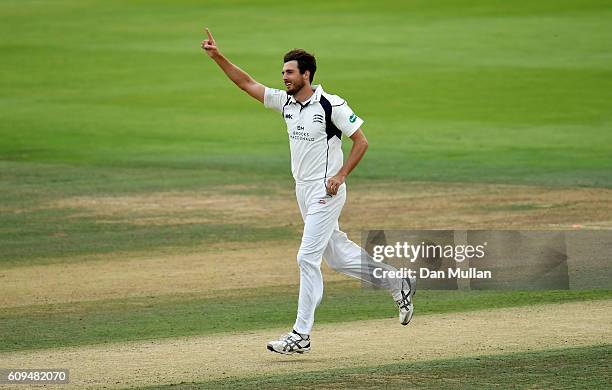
(317,118)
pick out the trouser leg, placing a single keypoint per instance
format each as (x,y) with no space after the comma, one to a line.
(343,255)
(319,223)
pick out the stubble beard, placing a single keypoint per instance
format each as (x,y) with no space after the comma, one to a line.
(296,89)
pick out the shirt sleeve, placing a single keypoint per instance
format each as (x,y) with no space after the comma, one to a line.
(345,119)
(275,99)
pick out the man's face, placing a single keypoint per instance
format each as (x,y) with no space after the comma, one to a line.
(293,79)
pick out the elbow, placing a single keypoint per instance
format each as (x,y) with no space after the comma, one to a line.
(364,144)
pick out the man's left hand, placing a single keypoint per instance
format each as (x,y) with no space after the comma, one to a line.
(334,183)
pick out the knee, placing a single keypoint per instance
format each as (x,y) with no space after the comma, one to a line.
(306,260)
(302,258)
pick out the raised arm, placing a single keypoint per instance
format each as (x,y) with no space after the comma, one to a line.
(237,75)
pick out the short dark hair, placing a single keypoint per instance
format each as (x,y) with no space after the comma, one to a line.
(305,60)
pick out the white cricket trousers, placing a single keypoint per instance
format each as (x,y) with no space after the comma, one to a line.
(323,238)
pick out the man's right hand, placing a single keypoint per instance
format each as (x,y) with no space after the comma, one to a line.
(209,45)
(237,75)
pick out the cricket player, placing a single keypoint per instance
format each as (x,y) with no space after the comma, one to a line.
(316,122)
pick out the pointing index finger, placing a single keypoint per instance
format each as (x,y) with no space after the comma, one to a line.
(209,34)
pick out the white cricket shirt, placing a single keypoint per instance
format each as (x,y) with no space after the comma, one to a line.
(315,130)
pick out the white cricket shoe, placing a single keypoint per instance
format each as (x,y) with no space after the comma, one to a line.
(405,305)
(290,343)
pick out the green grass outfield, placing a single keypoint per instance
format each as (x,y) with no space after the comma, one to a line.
(451,90)
(103,97)
(115,98)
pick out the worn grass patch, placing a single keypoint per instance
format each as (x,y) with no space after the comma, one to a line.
(570,368)
(60,229)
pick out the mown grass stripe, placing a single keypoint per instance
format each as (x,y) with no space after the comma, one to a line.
(147,318)
(53,235)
